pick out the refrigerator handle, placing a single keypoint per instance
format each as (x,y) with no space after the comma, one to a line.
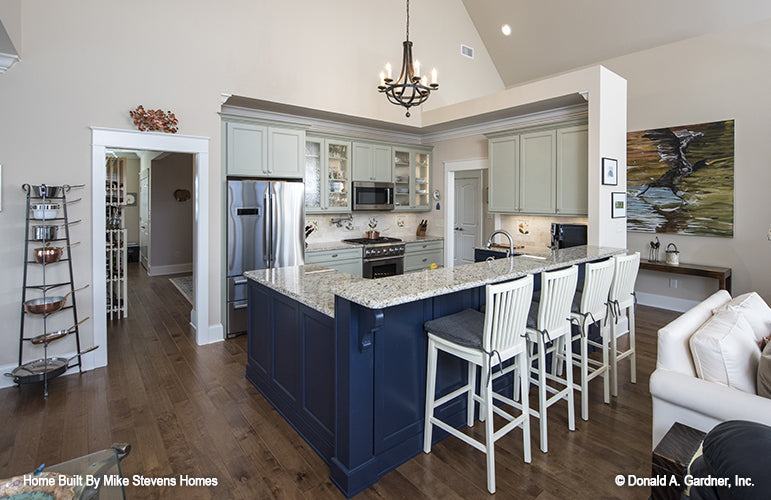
(266,246)
(273,229)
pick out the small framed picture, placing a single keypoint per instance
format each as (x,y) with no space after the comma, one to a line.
(618,208)
(610,172)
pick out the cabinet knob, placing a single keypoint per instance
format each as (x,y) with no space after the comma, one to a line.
(334,255)
(425,259)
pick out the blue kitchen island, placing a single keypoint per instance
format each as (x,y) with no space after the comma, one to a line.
(343,359)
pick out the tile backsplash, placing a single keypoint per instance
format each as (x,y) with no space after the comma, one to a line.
(388,223)
(533,230)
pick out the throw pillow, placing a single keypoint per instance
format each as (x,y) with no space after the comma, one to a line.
(725,351)
(755,310)
(764,373)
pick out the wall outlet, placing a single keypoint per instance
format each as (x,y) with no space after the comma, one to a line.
(672,283)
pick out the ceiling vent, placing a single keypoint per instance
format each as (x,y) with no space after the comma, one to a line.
(467,51)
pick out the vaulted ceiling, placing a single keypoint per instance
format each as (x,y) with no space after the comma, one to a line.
(553,36)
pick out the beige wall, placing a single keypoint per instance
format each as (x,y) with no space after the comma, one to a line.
(171,221)
(717,77)
(90,65)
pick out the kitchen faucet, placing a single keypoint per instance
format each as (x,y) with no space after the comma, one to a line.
(511,241)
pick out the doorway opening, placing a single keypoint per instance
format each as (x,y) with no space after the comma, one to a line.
(104,139)
(465,208)
(139,184)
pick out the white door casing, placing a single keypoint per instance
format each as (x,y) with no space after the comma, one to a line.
(450,169)
(468,215)
(144,218)
(103,138)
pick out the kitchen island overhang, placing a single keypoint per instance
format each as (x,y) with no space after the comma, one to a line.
(343,359)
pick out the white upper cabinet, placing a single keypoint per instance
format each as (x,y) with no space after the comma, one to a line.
(259,150)
(572,170)
(372,162)
(503,193)
(285,153)
(327,175)
(539,172)
(247,148)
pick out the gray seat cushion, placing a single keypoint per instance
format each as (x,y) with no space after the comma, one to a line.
(464,328)
(532,315)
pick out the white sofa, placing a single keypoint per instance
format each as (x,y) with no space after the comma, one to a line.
(679,396)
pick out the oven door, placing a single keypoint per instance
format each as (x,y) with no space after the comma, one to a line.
(373,196)
(380,268)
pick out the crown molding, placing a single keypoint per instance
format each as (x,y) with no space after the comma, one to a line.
(321,126)
(7,60)
(540,118)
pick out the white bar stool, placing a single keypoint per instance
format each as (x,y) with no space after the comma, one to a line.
(482,339)
(549,321)
(590,306)
(622,299)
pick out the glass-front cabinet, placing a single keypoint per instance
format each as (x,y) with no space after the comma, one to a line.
(327,175)
(402,179)
(411,179)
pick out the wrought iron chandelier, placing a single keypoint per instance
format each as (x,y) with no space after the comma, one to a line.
(410,89)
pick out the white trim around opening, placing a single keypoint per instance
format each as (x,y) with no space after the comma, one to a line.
(103,138)
(450,167)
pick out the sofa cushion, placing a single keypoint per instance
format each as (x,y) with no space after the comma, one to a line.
(755,311)
(725,351)
(764,372)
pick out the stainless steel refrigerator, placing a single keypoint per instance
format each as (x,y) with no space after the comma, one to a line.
(265,229)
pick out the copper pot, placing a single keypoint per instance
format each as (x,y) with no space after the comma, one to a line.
(372,235)
(48,305)
(48,255)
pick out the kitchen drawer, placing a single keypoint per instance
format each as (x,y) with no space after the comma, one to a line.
(416,261)
(321,256)
(423,246)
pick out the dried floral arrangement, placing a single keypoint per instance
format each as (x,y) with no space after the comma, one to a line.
(154,119)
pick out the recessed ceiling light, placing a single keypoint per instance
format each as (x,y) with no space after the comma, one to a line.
(506,29)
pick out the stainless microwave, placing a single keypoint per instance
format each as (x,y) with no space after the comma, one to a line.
(373,195)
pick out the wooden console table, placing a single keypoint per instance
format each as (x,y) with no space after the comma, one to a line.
(721,274)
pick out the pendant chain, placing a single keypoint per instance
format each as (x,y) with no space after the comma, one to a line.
(408,20)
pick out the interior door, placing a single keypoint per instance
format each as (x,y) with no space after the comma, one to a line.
(144,218)
(468,211)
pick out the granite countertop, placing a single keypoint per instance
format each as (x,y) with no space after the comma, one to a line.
(337,245)
(310,284)
(316,286)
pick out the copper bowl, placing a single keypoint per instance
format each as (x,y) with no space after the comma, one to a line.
(372,235)
(48,255)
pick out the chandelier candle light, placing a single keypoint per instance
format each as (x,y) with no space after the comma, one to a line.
(410,89)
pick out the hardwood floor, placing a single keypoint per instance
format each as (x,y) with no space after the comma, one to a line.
(189,410)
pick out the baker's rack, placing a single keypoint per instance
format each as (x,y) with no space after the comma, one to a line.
(115,238)
(44,195)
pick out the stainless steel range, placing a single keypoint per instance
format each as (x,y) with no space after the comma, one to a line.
(382,256)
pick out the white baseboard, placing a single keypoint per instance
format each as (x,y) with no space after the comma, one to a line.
(216,331)
(665,302)
(170,269)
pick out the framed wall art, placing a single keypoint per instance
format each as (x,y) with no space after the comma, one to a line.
(618,208)
(610,172)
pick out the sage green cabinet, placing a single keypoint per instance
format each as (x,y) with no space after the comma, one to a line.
(537,172)
(258,150)
(327,175)
(348,260)
(247,148)
(372,162)
(285,153)
(419,255)
(412,183)
(572,170)
(503,191)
